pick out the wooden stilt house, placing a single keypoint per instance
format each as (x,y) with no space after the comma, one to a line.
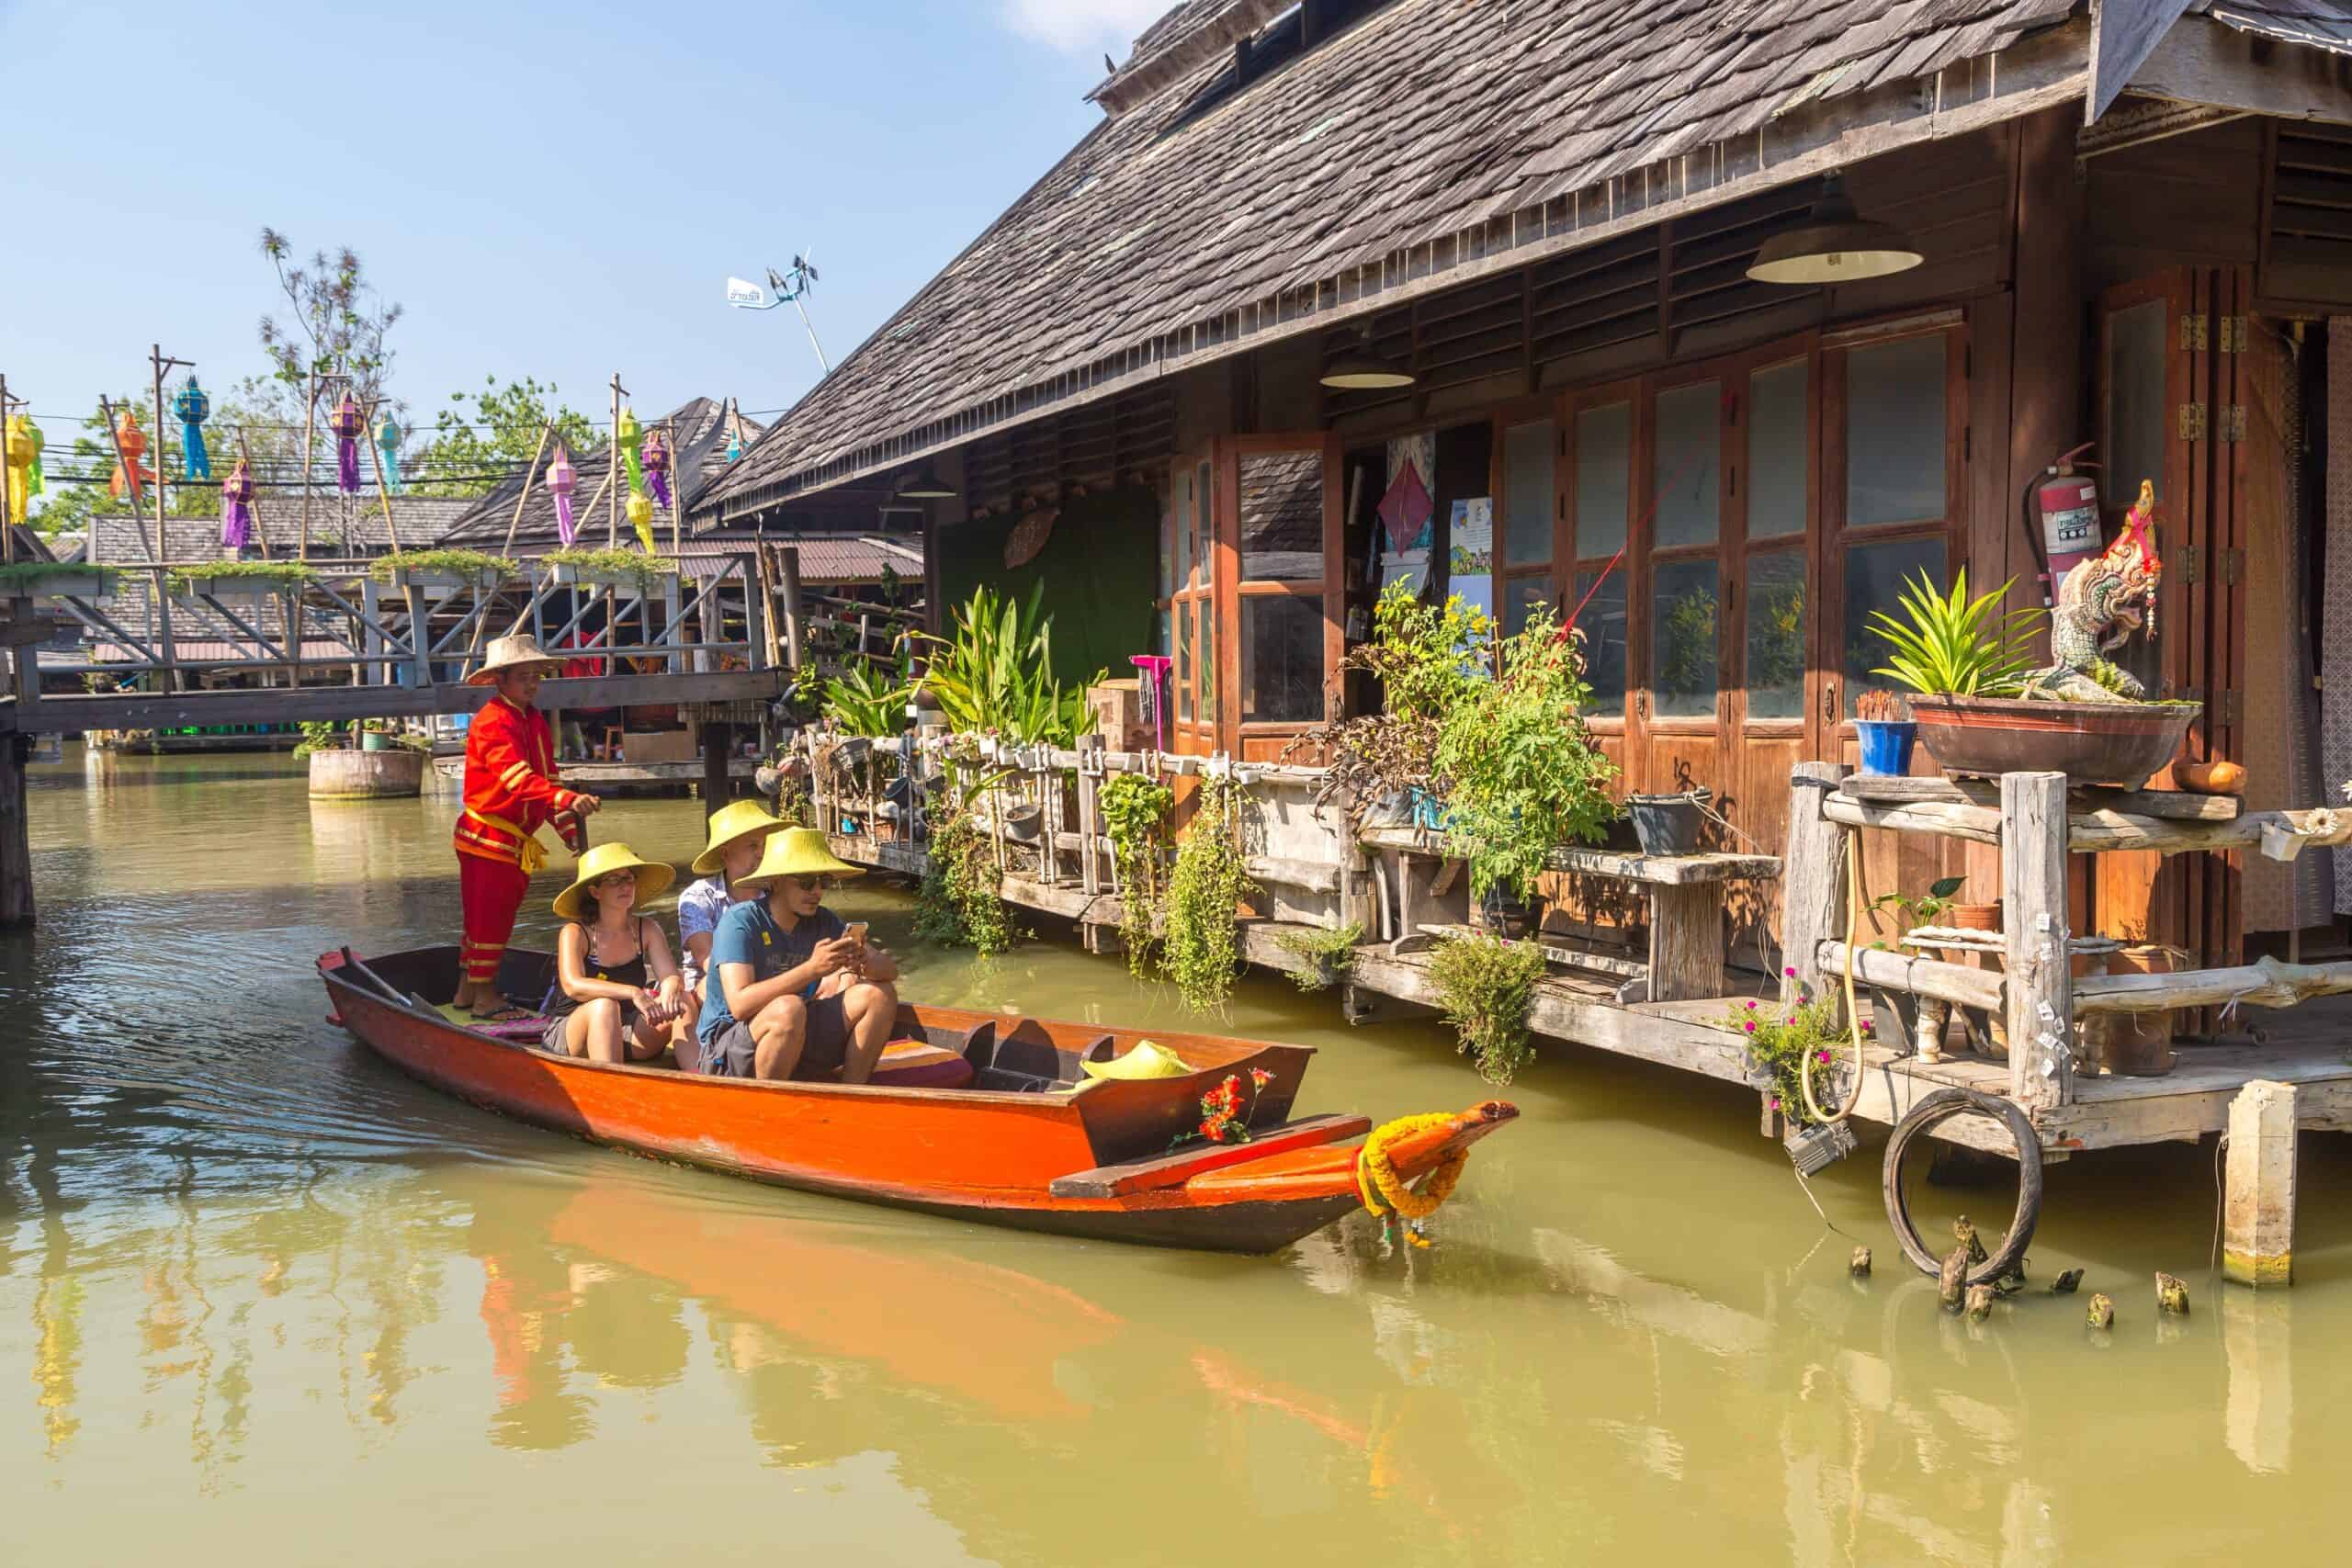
(2133,222)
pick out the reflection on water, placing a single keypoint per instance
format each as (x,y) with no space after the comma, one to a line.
(253,1282)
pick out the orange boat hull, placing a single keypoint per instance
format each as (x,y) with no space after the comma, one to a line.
(1092,1163)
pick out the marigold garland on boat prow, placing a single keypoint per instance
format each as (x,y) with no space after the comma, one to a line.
(1391,1196)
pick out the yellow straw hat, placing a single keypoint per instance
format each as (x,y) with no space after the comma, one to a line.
(797,852)
(654,877)
(738,819)
(1145,1059)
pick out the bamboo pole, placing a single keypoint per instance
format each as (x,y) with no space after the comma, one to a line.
(613,468)
(155,584)
(310,426)
(155,357)
(7,523)
(259,531)
(529,475)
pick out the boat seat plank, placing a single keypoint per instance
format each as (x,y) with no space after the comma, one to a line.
(1179,1165)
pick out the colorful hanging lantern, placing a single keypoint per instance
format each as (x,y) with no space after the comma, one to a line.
(237,507)
(629,434)
(655,453)
(193,408)
(23,440)
(133,441)
(388,441)
(640,517)
(561,479)
(348,421)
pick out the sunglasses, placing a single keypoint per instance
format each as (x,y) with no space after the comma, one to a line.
(809,883)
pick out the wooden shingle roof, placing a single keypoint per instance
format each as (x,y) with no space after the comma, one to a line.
(1432,134)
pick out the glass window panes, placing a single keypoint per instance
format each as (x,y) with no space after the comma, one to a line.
(1600,630)
(1202,535)
(1183,672)
(1683,618)
(1776,640)
(1894,432)
(1777,403)
(1604,473)
(1281,517)
(1522,594)
(2135,402)
(1208,665)
(1183,530)
(1687,468)
(1875,576)
(1282,659)
(1528,450)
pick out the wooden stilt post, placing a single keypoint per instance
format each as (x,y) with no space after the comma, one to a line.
(1812,898)
(2039,978)
(613,468)
(16,838)
(310,437)
(7,529)
(789,564)
(2258,1223)
(718,741)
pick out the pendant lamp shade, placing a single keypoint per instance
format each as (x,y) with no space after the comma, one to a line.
(1834,245)
(927,486)
(1358,369)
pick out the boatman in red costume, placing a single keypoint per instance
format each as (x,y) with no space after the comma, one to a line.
(510,789)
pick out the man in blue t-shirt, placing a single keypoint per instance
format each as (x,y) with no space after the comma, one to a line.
(793,992)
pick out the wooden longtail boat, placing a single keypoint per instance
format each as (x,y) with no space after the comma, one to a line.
(979,1116)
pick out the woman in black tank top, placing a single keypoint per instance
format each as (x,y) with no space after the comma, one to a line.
(617,994)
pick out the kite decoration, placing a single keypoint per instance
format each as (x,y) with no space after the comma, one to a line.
(561,477)
(655,455)
(640,517)
(348,423)
(387,440)
(629,434)
(237,507)
(128,473)
(734,444)
(193,408)
(24,444)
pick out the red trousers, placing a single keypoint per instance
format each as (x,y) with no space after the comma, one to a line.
(490,893)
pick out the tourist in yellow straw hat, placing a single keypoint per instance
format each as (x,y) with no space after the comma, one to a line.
(618,995)
(738,832)
(793,991)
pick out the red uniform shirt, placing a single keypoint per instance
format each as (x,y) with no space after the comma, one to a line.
(511,784)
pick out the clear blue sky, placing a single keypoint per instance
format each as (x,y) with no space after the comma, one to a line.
(555,191)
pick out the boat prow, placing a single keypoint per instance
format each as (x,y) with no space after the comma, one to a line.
(976,1115)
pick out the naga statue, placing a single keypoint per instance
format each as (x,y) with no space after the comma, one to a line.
(2103,602)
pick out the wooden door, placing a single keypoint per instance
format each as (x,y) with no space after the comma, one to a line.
(1281,594)
(1191,619)
(2165,390)
(1675,731)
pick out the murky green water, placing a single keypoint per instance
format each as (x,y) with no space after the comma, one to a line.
(260,1295)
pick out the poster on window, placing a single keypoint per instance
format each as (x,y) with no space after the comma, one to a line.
(1470,557)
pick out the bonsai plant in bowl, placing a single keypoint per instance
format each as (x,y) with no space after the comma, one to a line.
(50,579)
(247,583)
(450,568)
(629,573)
(1983,708)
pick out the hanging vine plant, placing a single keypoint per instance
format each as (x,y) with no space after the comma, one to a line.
(1201,949)
(959,904)
(1134,807)
(1487,988)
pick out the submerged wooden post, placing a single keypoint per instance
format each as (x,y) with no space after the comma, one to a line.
(2258,1217)
(1815,872)
(16,838)
(718,740)
(2038,984)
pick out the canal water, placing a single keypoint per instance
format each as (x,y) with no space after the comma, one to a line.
(261,1295)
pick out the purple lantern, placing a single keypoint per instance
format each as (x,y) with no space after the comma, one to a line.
(561,479)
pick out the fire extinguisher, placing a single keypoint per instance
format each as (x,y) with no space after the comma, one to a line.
(2062,520)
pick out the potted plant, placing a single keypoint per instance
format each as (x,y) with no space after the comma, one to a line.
(52,580)
(1670,824)
(630,574)
(1983,708)
(1882,721)
(449,567)
(1519,772)
(1324,955)
(245,583)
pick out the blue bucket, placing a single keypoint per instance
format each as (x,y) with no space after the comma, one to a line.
(1886,745)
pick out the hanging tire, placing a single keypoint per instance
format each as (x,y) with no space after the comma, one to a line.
(1932,1113)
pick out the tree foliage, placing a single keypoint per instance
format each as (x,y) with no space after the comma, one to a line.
(496,432)
(336,322)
